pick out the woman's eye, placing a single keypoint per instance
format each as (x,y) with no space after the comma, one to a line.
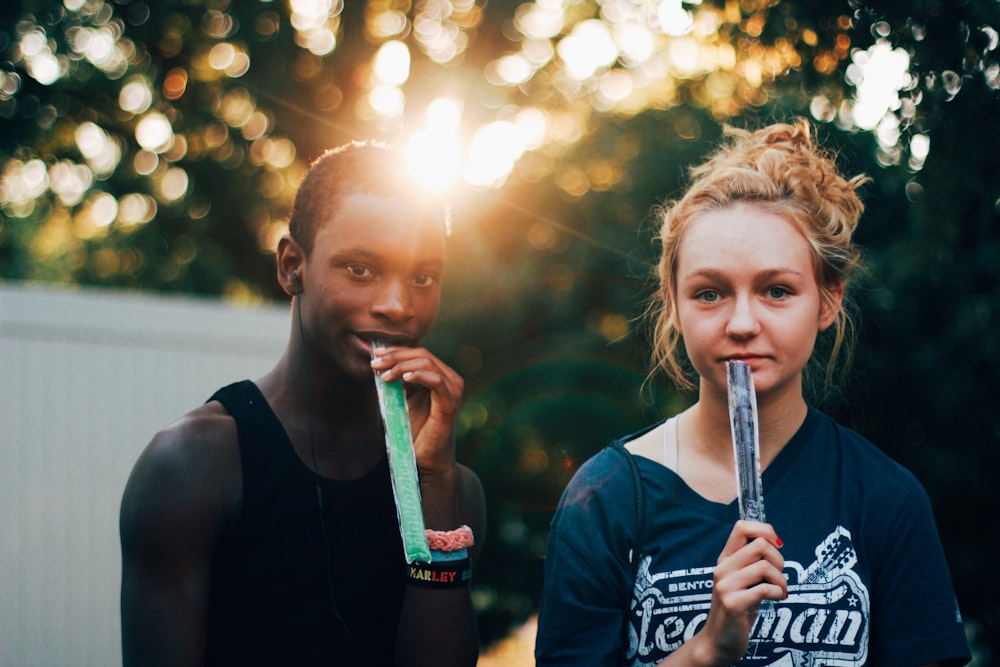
(777,292)
(708,296)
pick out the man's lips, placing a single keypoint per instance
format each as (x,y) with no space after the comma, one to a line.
(367,339)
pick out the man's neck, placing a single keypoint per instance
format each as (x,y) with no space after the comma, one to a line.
(329,416)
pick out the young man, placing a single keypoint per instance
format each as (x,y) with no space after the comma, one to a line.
(260,528)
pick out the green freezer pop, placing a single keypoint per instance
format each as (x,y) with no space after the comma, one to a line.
(402,467)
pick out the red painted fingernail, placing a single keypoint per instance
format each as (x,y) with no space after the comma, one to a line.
(780,543)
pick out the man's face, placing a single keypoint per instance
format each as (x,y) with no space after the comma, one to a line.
(374,273)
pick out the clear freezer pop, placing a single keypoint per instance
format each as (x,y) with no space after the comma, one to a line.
(746,447)
(746,436)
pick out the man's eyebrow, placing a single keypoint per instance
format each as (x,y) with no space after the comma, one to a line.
(432,262)
(365,254)
(354,252)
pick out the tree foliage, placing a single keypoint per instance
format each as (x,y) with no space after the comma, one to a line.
(157,146)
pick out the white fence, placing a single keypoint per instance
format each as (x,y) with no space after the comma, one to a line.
(86,378)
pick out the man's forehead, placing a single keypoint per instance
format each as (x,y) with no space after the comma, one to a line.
(410,210)
(365,217)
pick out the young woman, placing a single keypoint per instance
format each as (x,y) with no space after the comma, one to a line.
(656,568)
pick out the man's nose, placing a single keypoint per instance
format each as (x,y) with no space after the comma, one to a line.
(393,301)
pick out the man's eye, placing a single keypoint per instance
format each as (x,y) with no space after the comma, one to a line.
(424,280)
(359,271)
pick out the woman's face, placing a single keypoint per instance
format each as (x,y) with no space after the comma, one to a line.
(746,289)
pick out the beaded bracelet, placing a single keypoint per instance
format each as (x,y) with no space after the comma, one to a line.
(450,574)
(450,540)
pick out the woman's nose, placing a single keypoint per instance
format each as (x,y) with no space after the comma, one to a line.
(743,320)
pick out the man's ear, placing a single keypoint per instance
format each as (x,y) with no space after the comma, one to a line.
(290,265)
(831,302)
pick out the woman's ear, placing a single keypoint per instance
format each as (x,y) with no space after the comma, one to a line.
(831,302)
(290,265)
(673,321)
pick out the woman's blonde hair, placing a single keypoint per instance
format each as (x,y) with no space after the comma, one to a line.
(781,170)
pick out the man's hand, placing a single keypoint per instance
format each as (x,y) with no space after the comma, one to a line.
(433,396)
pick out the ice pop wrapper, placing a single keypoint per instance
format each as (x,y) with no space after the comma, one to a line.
(743,420)
(746,447)
(402,466)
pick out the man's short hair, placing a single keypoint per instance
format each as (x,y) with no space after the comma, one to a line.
(358,167)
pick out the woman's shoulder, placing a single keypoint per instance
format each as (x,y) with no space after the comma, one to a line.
(650,442)
(865,458)
(603,477)
(606,463)
(614,456)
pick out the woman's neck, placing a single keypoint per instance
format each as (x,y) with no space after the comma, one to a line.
(779,416)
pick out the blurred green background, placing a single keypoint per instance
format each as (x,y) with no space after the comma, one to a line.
(157,145)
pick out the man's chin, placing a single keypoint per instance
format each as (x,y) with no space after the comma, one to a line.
(360,371)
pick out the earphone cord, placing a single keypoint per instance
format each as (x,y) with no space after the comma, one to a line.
(319,490)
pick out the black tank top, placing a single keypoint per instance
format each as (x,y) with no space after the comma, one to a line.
(270,603)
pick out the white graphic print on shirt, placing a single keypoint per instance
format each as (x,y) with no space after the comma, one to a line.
(824,622)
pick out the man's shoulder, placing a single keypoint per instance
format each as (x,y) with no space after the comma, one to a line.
(196,456)
(205,433)
(186,485)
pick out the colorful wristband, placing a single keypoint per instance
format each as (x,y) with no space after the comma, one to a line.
(450,574)
(448,556)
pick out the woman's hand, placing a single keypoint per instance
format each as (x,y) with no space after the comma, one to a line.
(749,570)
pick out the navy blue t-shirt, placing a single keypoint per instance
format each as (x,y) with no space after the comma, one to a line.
(868,582)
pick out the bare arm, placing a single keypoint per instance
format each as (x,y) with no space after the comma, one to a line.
(178,499)
(437,626)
